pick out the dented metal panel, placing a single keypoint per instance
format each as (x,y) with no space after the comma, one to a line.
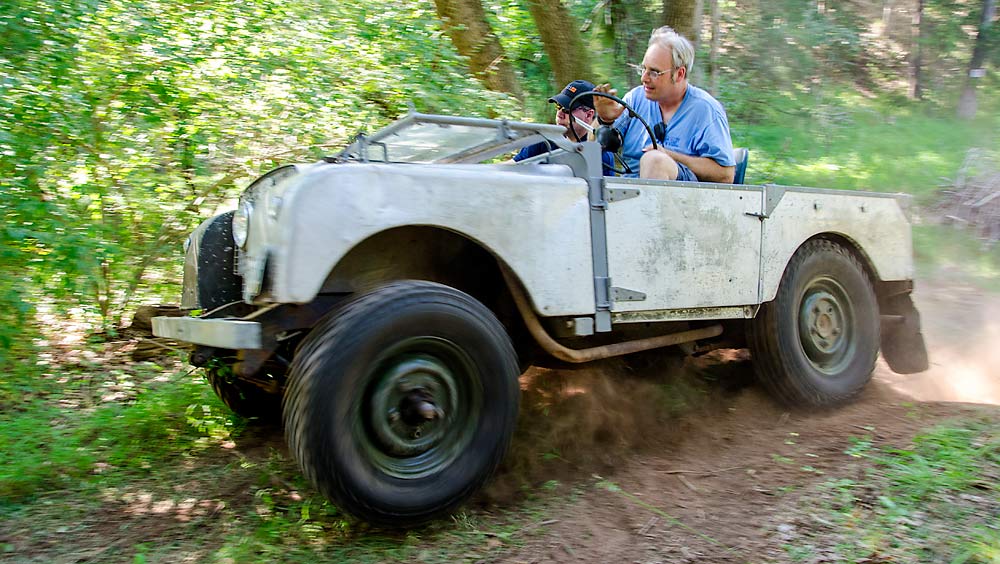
(875,222)
(684,245)
(537,223)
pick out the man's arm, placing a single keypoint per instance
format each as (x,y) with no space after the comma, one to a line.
(705,168)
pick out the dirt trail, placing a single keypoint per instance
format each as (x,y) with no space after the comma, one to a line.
(714,483)
(721,485)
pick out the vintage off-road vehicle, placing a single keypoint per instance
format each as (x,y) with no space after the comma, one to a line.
(384,301)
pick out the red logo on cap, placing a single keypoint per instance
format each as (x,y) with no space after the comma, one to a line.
(572,88)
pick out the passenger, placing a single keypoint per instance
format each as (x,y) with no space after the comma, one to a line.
(576,132)
(695,144)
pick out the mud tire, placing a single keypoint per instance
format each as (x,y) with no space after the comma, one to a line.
(348,437)
(816,343)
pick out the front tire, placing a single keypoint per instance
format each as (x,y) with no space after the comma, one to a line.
(401,404)
(817,342)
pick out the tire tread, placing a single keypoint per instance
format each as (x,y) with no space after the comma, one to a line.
(333,331)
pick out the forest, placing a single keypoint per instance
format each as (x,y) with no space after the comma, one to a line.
(124,124)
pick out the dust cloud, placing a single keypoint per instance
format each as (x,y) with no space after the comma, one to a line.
(961,326)
(578,421)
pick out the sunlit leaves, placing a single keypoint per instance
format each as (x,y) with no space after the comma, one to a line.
(123,123)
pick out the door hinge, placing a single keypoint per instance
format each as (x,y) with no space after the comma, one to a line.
(619,194)
(626,295)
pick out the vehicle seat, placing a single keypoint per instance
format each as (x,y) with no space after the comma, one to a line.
(742,156)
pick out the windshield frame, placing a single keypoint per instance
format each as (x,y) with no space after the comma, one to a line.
(499,136)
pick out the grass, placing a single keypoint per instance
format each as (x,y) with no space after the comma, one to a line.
(850,142)
(936,500)
(151,453)
(947,251)
(72,437)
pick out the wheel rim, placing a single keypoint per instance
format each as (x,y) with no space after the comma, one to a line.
(827,325)
(421,407)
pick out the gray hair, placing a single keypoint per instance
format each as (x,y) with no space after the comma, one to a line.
(680,48)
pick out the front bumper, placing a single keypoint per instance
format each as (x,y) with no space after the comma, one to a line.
(220,333)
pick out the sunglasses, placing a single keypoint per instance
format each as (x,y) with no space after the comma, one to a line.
(559,108)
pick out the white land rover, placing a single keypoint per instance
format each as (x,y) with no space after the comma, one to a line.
(383,302)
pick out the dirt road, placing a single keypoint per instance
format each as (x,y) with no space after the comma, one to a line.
(722,485)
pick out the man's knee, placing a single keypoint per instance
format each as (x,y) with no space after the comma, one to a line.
(657,165)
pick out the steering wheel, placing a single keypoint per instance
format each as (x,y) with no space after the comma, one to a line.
(609,137)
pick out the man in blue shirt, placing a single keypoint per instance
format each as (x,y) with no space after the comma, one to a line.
(583,110)
(696,145)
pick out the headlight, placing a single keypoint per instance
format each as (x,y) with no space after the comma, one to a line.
(241,223)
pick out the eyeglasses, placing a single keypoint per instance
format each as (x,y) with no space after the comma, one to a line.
(654,74)
(566,111)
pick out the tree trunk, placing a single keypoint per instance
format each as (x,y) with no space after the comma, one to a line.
(466,25)
(629,46)
(713,54)
(695,38)
(680,15)
(886,17)
(917,32)
(561,37)
(967,102)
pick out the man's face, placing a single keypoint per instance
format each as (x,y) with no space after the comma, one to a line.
(585,115)
(661,81)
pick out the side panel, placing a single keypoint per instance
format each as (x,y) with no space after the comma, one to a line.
(537,223)
(876,223)
(684,245)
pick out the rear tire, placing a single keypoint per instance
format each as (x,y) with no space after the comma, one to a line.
(816,343)
(401,404)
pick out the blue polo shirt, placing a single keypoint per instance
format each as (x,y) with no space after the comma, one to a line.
(607,159)
(698,128)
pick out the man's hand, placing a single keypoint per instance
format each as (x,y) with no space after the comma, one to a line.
(607,109)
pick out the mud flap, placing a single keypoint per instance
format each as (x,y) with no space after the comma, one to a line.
(903,345)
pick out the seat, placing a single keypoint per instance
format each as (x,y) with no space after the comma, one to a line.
(742,156)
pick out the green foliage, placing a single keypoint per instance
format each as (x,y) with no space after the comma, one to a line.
(851,142)
(125,124)
(934,501)
(44,448)
(949,251)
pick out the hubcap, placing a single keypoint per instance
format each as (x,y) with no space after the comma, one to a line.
(411,405)
(826,321)
(420,410)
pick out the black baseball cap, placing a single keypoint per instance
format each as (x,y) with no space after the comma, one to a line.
(572,90)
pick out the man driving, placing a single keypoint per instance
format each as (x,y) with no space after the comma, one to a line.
(695,144)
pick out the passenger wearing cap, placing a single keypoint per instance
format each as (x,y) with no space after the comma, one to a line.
(582,111)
